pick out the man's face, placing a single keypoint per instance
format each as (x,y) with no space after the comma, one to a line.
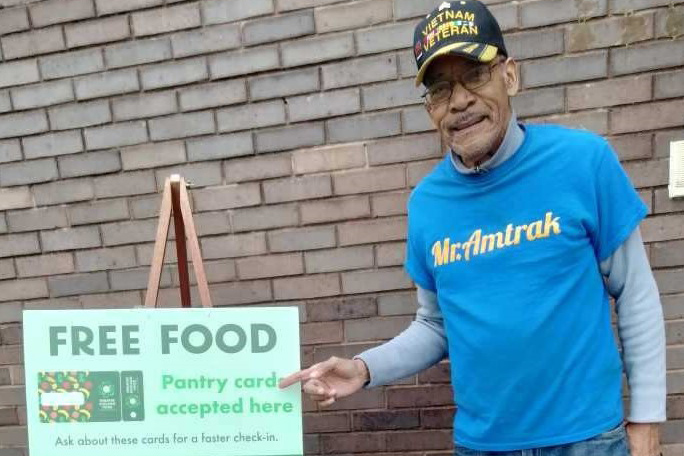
(472,122)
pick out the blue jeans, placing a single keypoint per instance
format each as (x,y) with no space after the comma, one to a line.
(610,443)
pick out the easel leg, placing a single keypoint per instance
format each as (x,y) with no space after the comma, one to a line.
(159,248)
(181,248)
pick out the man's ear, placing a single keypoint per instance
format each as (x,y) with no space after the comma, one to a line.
(511,78)
(430,111)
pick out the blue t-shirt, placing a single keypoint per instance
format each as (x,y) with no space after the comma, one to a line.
(513,255)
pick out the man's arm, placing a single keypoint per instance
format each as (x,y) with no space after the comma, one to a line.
(642,334)
(640,328)
(418,347)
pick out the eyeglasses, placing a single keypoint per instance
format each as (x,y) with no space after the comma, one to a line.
(472,79)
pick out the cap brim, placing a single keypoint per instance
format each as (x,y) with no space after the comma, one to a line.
(473,51)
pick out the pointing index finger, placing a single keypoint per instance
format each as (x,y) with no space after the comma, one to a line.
(293,378)
(314,371)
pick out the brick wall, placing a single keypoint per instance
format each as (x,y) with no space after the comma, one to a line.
(298,124)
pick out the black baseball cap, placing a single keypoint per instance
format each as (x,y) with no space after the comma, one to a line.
(463,27)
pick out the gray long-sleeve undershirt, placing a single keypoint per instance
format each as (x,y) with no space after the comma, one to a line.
(628,279)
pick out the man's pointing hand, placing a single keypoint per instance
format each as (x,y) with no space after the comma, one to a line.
(330,380)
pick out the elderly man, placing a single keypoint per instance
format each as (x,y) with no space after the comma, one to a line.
(515,242)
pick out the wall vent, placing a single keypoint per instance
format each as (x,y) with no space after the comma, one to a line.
(676,186)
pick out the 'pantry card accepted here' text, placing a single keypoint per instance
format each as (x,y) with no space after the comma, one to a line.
(162,382)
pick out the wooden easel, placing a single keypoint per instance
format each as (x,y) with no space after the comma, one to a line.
(175,199)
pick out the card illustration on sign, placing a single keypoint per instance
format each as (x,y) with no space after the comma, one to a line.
(83,397)
(165,382)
